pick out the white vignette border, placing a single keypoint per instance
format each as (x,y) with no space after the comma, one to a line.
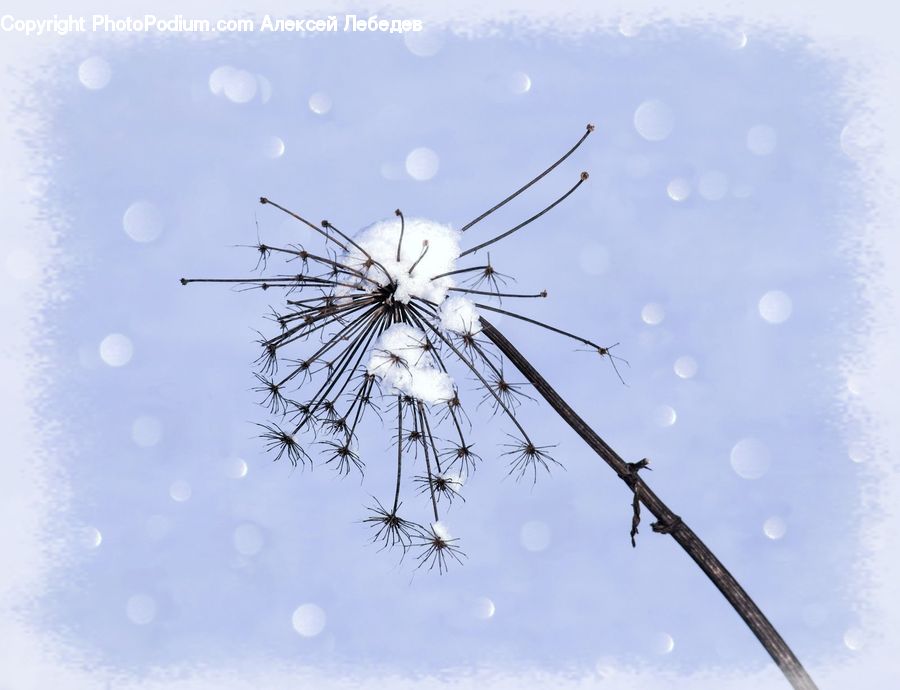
(861,33)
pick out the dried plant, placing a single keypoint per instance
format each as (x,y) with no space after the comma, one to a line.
(386,318)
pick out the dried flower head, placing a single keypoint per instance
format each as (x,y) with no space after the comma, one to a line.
(390,313)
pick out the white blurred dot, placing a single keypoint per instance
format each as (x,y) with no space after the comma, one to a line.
(775,306)
(664,415)
(484,608)
(21,264)
(423,43)
(685,367)
(142,221)
(146,431)
(663,643)
(519,83)
(140,609)
(860,137)
(713,185)
(36,186)
(273,147)
(236,468)
(605,668)
(653,314)
(158,526)
(240,87)
(739,40)
(535,535)
(594,259)
(116,350)
(308,620)
(219,77)
(854,639)
(774,528)
(750,458)
(91,537)
(180,491)
(654,120)
(422,164)
(678,189)
(629,27)
(854,385)
(320,103)
(761,140)
(247,539)
(857,452)
(94,73)
(265,88)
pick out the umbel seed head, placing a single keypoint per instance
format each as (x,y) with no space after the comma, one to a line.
(391,319)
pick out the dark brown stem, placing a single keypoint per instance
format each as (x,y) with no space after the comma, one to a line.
(588,130)
(667,521)
(584,176)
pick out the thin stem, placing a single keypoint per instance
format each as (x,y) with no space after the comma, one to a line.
(333,315)
(322,298)
(292,337)
(667,521)
(358,404)
(533,218)
(542,293)
(295,281)
(487,386)
(589,129)
(460,270)
(399,452)
(541,324)
(434,450)
(337,265)
(428,464)
(341,364)
(402,228)
(421,256)
(310,312)
(264,200)
(350,330)
(328,225)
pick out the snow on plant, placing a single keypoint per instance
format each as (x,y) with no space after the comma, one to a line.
(387,316)
(390,320)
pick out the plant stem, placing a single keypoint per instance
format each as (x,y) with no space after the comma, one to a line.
(667,521)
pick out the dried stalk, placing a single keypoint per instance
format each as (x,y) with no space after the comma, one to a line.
(667,522)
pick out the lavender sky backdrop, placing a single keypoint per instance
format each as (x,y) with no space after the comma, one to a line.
(714,242)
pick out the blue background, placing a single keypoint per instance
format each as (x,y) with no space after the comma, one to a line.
(158,133)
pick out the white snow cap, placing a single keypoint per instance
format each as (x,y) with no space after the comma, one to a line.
(459,316)
(441,531)
(401,364)
(380,241)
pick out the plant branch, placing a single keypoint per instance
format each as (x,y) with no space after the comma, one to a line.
(667,521)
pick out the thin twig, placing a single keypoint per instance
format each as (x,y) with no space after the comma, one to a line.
(667,521)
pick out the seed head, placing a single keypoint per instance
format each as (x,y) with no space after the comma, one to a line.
(391,313)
